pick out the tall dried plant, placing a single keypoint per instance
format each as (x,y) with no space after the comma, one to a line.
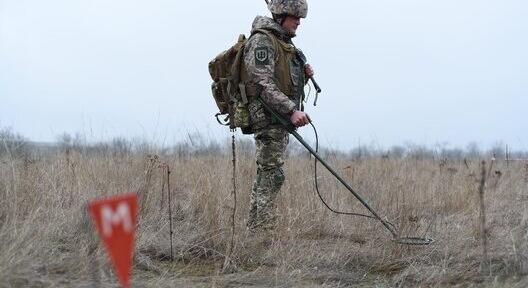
(482,214)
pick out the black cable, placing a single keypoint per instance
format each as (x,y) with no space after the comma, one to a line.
(319,193)
(392,229)
(397,239)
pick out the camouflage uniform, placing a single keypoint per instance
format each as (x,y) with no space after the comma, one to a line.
(261,63)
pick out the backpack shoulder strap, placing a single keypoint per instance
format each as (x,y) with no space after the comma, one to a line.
(270,35)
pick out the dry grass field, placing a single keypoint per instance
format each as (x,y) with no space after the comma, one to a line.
(46,239)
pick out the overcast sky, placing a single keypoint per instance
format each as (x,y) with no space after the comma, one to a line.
(392,72)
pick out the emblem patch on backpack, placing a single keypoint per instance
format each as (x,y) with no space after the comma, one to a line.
(261,56)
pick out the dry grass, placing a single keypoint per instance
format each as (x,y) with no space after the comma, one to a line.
(46,239)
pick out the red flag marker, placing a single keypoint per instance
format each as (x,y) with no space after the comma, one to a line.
(115,219)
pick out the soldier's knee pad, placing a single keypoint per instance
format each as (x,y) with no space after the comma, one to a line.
(271,179)
(278,177)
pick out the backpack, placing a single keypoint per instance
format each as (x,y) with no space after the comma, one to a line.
(229,92)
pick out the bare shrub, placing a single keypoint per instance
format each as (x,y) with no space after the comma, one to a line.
(13,144)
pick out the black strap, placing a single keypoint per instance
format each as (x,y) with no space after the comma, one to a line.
(226,120)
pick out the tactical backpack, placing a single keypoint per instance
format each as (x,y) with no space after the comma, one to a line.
(228,90)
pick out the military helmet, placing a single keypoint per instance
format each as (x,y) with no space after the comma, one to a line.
(297,8)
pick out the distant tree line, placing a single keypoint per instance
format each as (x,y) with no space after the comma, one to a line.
(13,144)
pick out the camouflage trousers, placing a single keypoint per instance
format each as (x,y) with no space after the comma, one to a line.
(270,148)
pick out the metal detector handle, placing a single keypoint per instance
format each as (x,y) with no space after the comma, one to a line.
(317,90)
(305,62)
(291,129)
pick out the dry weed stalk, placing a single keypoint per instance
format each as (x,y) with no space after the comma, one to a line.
(228,262)
(167,171)
(526,173)
(171,232)
(466,163)
(482,215)
(152,162)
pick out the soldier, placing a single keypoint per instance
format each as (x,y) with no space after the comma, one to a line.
(276,73)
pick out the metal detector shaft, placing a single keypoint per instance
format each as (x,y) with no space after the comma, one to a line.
(291,129)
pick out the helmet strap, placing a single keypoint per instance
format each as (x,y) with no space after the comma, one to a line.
(279,18)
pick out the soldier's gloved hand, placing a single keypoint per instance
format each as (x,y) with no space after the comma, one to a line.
(308,71)
(299,118)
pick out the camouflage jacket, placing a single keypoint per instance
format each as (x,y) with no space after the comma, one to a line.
(261,62)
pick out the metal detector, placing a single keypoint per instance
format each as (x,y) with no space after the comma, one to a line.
(395,235)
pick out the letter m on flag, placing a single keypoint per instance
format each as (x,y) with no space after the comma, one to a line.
(115,220)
